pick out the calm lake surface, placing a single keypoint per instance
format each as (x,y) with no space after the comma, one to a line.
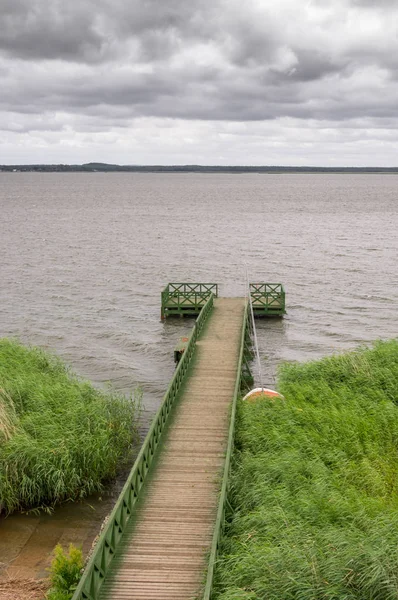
(85,256)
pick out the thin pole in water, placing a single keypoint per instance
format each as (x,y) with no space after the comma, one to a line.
(260,375)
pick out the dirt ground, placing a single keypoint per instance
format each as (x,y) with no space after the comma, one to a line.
(23,589)
(27,543)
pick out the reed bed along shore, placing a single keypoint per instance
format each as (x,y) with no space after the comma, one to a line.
(60,438)
(315,485)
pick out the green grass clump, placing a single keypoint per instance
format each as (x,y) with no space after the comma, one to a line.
(60,438)
(65,572)
(315,485)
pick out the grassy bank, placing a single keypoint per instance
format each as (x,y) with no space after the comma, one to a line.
(315,485)
(60,438)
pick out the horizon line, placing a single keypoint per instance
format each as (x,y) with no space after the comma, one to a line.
(93,164)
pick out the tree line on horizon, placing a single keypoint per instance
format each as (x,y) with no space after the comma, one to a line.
(105,167)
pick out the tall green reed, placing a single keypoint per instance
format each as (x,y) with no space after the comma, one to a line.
(315,485)
(61,438)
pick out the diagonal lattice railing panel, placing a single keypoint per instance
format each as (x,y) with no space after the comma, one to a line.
(267,298)
(186,298)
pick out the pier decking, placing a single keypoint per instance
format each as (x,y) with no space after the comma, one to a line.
(165,555)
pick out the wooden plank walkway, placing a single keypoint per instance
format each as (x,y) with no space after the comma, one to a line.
(164,553)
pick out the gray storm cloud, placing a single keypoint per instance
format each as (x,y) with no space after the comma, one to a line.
(219,60)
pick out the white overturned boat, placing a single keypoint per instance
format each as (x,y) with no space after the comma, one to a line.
(257,393)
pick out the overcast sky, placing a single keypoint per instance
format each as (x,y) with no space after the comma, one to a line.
(259,82)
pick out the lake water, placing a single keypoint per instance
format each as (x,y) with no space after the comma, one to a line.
(85,256)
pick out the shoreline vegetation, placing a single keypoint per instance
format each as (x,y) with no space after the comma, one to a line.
(105,167)
(314,485)
(60,438)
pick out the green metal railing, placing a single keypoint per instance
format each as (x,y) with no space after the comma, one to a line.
(267,299)
(101,559)
(247,380)
(186,298)
(242,381)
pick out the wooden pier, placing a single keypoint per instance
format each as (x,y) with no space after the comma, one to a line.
(165,556)
(161,539)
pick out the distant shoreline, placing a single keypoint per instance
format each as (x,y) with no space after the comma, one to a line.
(109,168)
